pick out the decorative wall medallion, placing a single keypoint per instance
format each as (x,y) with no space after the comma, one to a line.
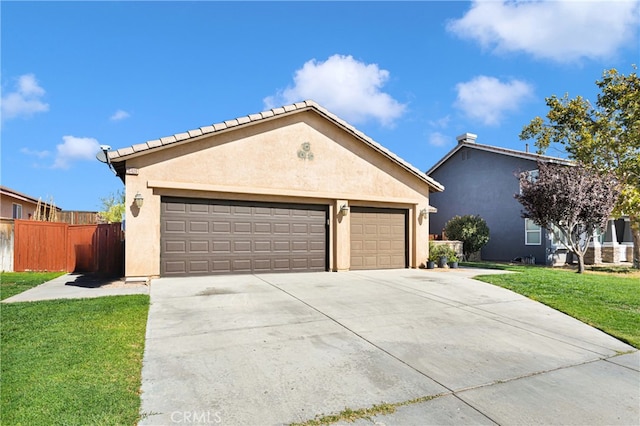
(304,152)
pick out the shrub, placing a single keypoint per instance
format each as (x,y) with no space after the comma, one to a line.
(472,230)
(438,250)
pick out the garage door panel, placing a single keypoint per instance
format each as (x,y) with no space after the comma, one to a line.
(242,246)
(175,246)
(176,266)
(241,237)
(241,265)
(221,210)
(201,209)
(281,246)
(262,228)
(300,246)
(317,229)
(176,208)
(221,247)
(242,210)
(397,246)
(262,265)
(199,226)
(370,229)
(221,227)
(198,246)
(262,246)
(242,228)
(262,211)
(179,226)
(300,228)
(317,247)
(370,246)
(198,266)
(282,228)
(378,238)
(281,264)
(220,265)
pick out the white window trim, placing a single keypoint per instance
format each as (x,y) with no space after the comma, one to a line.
(527,231)
(13,210)
(556,237)
(532,176)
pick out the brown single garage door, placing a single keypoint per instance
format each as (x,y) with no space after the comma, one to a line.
(217,236)
(378,238)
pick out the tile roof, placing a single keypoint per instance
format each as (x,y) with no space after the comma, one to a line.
(502,151)
(308,105)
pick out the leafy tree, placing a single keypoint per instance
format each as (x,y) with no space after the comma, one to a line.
(471,230)
(575,201)
(604,137)
(113,207)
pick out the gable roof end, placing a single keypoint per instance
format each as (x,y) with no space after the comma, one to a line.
(118,157)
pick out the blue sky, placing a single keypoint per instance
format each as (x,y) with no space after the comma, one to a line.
(411,75)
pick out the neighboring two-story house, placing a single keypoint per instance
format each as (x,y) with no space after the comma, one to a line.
(482,180)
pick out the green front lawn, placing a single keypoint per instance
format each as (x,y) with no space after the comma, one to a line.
(72,362)
(607,301)
(12,283)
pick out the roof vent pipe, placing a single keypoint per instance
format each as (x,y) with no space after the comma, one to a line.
(467,137)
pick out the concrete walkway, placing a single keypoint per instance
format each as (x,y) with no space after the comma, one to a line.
(283,348)
(78,286)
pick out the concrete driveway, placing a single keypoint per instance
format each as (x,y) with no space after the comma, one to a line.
(283,348)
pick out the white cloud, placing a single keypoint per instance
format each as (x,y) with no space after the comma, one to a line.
(74,149)
(119,115)
(441,123)
(563,31)
(346,87)
(34,153)
(25,100)
(487,99)
(438,139)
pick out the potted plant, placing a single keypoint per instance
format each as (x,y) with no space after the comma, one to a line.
(442,257)
(453,259)
(433,256)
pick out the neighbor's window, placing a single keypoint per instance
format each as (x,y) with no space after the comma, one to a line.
(531,175)
(17,211)
(558,238)
(532,233)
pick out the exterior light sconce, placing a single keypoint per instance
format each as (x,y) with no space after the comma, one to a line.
(138,200)
(423,213)
(344,210)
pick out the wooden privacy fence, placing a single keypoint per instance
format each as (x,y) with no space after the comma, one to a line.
(54,246)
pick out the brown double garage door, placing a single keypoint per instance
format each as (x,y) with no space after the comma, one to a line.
(200,237)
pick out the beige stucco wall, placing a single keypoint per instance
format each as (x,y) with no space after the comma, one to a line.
(264,162)
(6,207)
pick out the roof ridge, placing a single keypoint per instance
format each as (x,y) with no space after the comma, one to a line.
(266,114)
(499,150)
(516,151)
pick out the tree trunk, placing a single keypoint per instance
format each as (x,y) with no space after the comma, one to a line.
(634,221)
(580,257)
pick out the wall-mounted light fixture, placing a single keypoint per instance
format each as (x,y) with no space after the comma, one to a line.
(138,200)
(344,210)
(423,213)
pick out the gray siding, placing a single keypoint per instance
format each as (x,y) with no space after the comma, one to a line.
(483,183)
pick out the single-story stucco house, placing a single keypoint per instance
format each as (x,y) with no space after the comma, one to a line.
(290,189)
